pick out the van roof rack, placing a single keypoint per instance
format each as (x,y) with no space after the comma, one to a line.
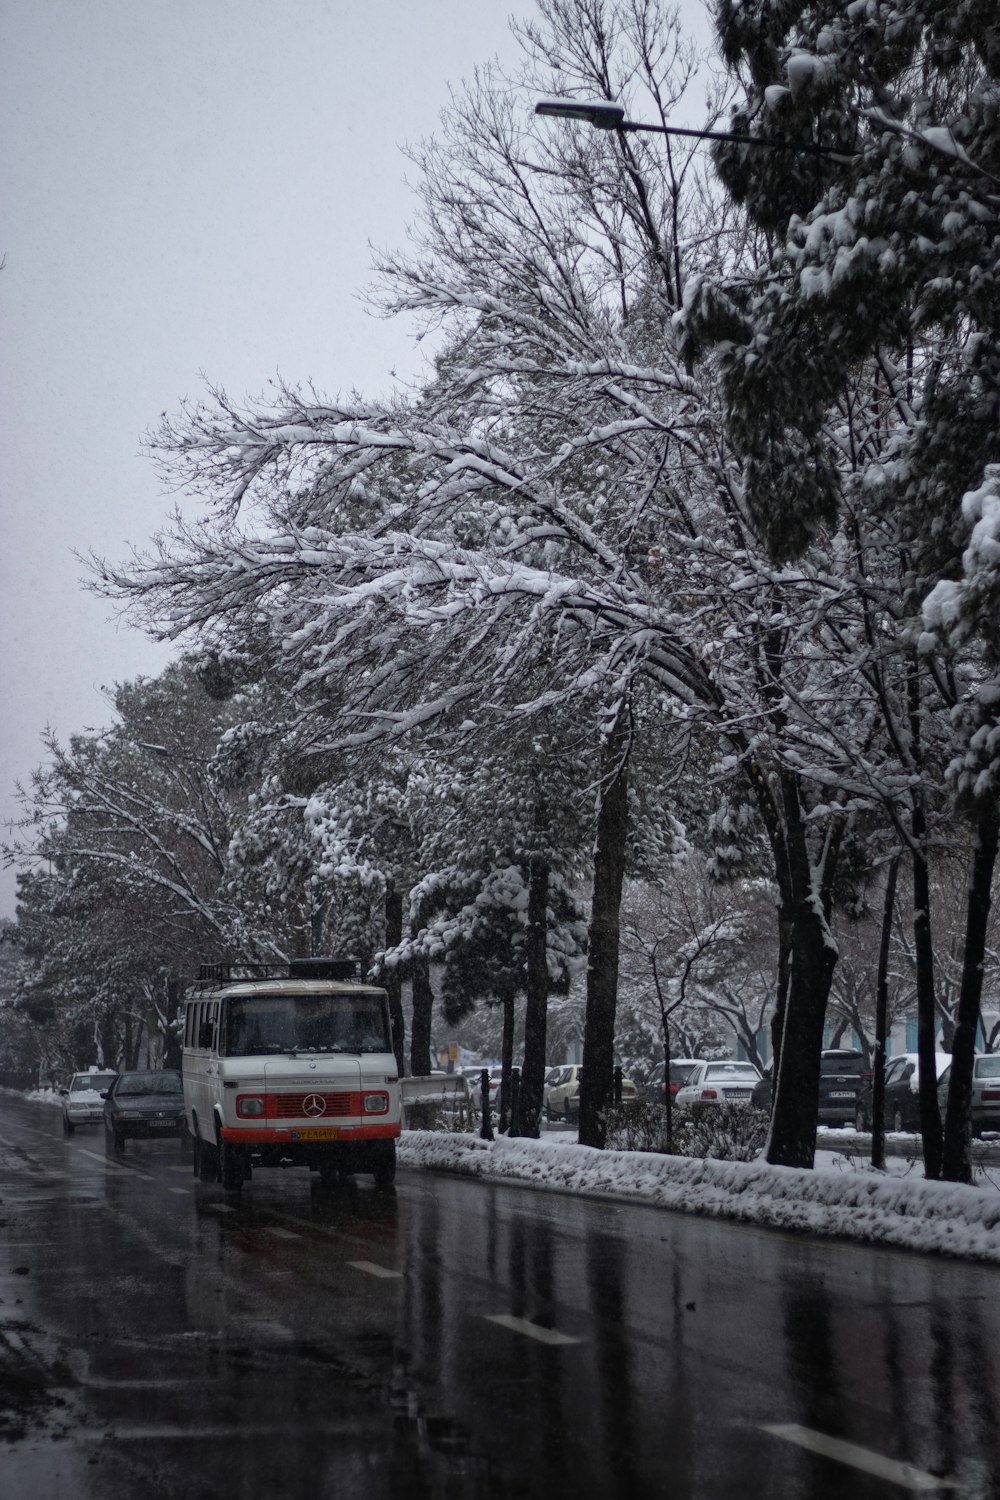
(235,971)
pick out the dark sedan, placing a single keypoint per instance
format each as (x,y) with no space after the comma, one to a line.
(902,1093)
(843,1074)
(144,1105)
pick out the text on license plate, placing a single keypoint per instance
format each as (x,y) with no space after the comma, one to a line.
(315,1135)
(163,1124)
(842,1094)
(738,1093)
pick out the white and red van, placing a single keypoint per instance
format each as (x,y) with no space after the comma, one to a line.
(290,1065)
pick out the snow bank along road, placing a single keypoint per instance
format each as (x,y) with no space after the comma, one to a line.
(839,1197)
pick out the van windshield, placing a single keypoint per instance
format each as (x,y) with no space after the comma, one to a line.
(262,1024)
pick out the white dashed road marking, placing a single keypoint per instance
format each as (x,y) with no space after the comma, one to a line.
(371,1268)
(531,1330)
(905,1475)
(113,1166)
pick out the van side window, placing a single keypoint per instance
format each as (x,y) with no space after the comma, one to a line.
(206,1028)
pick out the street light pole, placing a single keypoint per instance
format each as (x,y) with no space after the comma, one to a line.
(605,114)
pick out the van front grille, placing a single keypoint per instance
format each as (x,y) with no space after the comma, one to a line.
(293,1106)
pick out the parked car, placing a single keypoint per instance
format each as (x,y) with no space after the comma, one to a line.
(562,1097)
(843,1074)
(81,1098)
(651,1087)
(552,1077)
(144,1105)
(681,1069)
(629,1091)
(763,1089)
(713,1083)
(902,1102)
(985,1091)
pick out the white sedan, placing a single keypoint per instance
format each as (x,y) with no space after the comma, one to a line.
(715,1083)
(81,1098)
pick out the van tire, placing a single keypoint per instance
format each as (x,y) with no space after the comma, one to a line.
(230,1167)
(208,1167)
(384,1170)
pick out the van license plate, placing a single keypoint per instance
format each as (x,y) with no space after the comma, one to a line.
(840,1095)
(315,1135)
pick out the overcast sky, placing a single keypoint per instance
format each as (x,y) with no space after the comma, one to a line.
(188,188)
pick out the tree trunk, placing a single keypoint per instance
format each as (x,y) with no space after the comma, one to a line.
(536,1008)
(792,1135)
(108,1052)
(173,1049)
(930,1116)
(506,1064)
(785,926)
(130,1048)
(603,940)
(882,1018)
(957,1159)
(391,980)
(423,1004)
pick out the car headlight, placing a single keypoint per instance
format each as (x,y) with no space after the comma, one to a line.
(130,1114)
(376,1104)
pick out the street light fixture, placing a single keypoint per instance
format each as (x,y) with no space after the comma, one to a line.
(605,114)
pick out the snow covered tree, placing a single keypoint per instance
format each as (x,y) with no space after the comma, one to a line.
(881,206)
(500,543)
(123,849)
(556,519)
(500,833)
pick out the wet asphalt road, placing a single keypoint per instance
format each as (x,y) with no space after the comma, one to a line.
(452,1338)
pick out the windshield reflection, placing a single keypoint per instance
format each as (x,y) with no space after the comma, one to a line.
(261,1024)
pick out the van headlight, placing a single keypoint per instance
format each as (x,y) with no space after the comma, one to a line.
(249,1106)
(376,1104)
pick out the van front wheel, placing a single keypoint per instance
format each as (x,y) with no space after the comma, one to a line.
(207,1161)
(384,1170)
(230,1167)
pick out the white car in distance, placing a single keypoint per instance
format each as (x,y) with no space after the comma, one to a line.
(81,1098)
(713,1083)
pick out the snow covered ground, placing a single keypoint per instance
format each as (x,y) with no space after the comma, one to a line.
(841,1197)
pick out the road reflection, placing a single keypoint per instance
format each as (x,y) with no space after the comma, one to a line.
(460,1338)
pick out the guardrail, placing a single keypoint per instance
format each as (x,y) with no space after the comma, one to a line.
(424,1095)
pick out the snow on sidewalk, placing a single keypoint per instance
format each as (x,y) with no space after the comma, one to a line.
(838,1198)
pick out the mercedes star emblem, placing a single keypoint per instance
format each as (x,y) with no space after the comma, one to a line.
(313,1105)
